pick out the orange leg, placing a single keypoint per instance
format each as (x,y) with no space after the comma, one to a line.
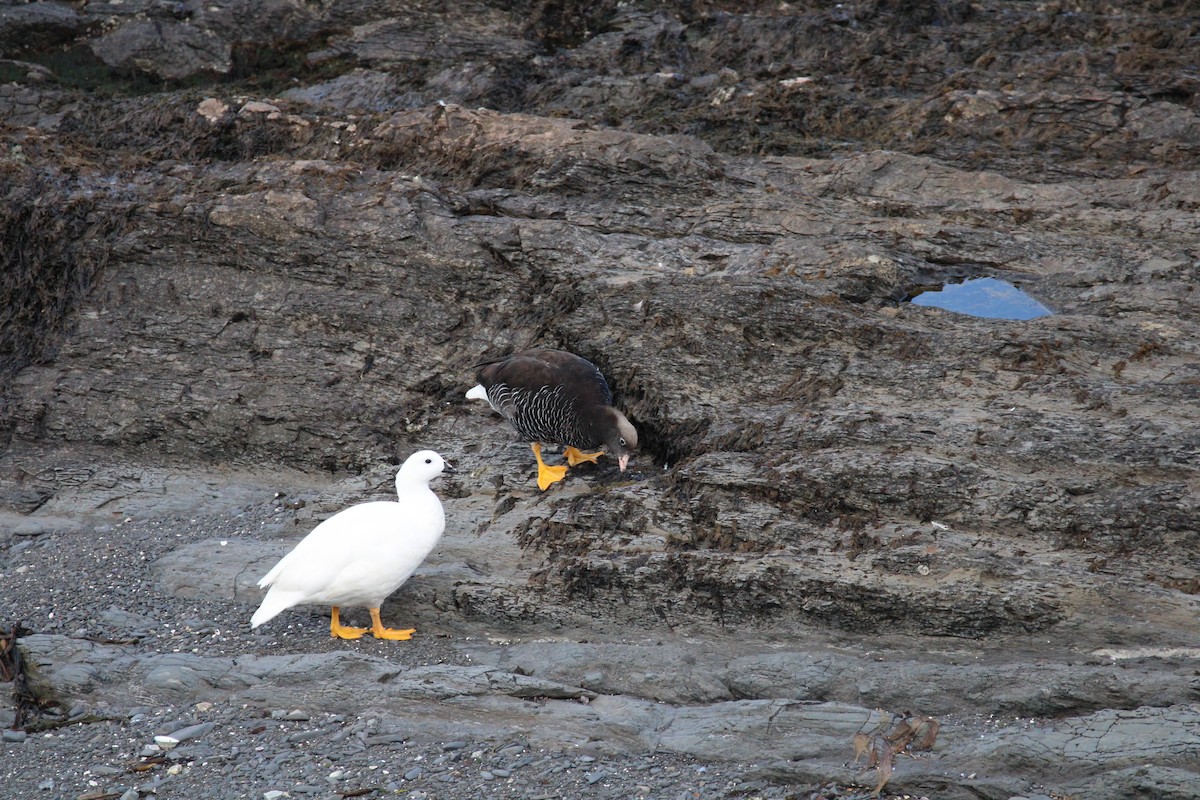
(391,634)
(577,457)
(546,474)
(336,628)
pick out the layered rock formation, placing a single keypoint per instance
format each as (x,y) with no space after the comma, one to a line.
(277,275)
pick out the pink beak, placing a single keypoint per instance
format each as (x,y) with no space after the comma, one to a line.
(622,461)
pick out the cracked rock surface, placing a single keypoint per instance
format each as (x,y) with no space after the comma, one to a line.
(242,282)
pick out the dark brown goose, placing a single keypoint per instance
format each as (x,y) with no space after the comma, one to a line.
(553,396)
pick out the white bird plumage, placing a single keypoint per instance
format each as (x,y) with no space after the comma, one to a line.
(363,553)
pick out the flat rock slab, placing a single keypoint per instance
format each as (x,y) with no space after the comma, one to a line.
(438,700)
(246,280)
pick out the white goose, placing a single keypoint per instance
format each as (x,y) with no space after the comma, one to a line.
(362,554)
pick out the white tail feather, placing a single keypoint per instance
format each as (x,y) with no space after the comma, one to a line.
(478,393)
(270,577)
(275,603)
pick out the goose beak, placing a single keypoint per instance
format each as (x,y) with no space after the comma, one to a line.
(622,461)
(448,468)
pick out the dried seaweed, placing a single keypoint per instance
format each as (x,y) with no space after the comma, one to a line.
(55,247)
(12,668)
(894,736)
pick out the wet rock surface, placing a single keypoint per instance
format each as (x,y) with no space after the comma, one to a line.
(244,281)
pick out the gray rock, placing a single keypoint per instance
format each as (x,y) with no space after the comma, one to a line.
(41,526)
(36,26)
(177,678)
(1108,739)
(366,90)
(164,49)
(126,620)
(193,731)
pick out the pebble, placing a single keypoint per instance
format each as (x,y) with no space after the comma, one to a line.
(413,774)
(152,786)
(174,725)
(192,731)
(598,775)
(197,752)
(454,745)
(385,738)
(14,736)
(130,794)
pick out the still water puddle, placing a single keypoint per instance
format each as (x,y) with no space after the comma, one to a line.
(984,297)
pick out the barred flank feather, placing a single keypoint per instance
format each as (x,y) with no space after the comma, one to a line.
(556,397)
(542,415)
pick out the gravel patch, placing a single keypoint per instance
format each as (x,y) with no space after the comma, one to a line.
(96,584)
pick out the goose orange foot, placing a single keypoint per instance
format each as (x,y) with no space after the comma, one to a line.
(336,628)
(577,457)
(547,475)
(340,631)
(391,634)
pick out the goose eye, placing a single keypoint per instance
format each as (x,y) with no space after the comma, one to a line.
(622,442)
(429,461)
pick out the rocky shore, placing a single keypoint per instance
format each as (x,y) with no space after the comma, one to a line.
(252,251)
